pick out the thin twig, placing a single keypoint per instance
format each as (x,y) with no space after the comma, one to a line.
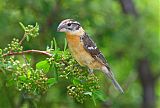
(25,59)
(24,36)
(28,51)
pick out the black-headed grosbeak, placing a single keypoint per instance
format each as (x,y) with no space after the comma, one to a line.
(84,50)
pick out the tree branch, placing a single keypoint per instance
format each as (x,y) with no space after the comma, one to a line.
(28,51)
(147,82)
(128,7)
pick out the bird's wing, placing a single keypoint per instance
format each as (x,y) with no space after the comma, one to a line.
(91,48)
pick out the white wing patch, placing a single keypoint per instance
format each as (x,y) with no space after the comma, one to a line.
(92,48)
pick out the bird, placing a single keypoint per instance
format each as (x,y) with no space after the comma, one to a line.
(84,50)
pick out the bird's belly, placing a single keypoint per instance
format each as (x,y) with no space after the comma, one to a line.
(81,56)
(84,58)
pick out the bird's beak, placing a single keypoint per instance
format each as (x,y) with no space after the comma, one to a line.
(60,28)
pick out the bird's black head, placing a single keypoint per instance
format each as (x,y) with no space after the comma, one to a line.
(69,25)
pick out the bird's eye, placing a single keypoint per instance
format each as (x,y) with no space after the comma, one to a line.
(69,24)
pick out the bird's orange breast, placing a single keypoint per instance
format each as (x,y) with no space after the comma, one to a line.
(79,53)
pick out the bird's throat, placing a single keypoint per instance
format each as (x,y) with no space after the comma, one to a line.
(73,39)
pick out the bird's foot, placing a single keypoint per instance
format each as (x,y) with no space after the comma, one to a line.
(90,71)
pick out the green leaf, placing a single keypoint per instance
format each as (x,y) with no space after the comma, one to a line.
(99,95)
(22,25)
(36,26)
(53,71)
(65,44)
(22,78)
(11,82)
(43,65)
(94,100)
(51,81)
(28,73)
(51,44)
(0,51)
(27,37)
(55,43)
(76,81)
(96,95)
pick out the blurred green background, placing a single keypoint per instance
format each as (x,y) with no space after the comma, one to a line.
(127,32)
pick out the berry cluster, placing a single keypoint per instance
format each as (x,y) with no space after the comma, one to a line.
(26,79)
(81,81)
(14,46)
(32,31)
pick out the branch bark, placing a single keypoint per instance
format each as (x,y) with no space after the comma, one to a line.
(148,84)
(28,51)
(128,7)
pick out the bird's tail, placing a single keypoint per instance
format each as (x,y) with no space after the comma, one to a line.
(109,73)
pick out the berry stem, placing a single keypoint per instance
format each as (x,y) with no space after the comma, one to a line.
(24,36)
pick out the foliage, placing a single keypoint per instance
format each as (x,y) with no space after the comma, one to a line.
(33,82)
(123,39)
